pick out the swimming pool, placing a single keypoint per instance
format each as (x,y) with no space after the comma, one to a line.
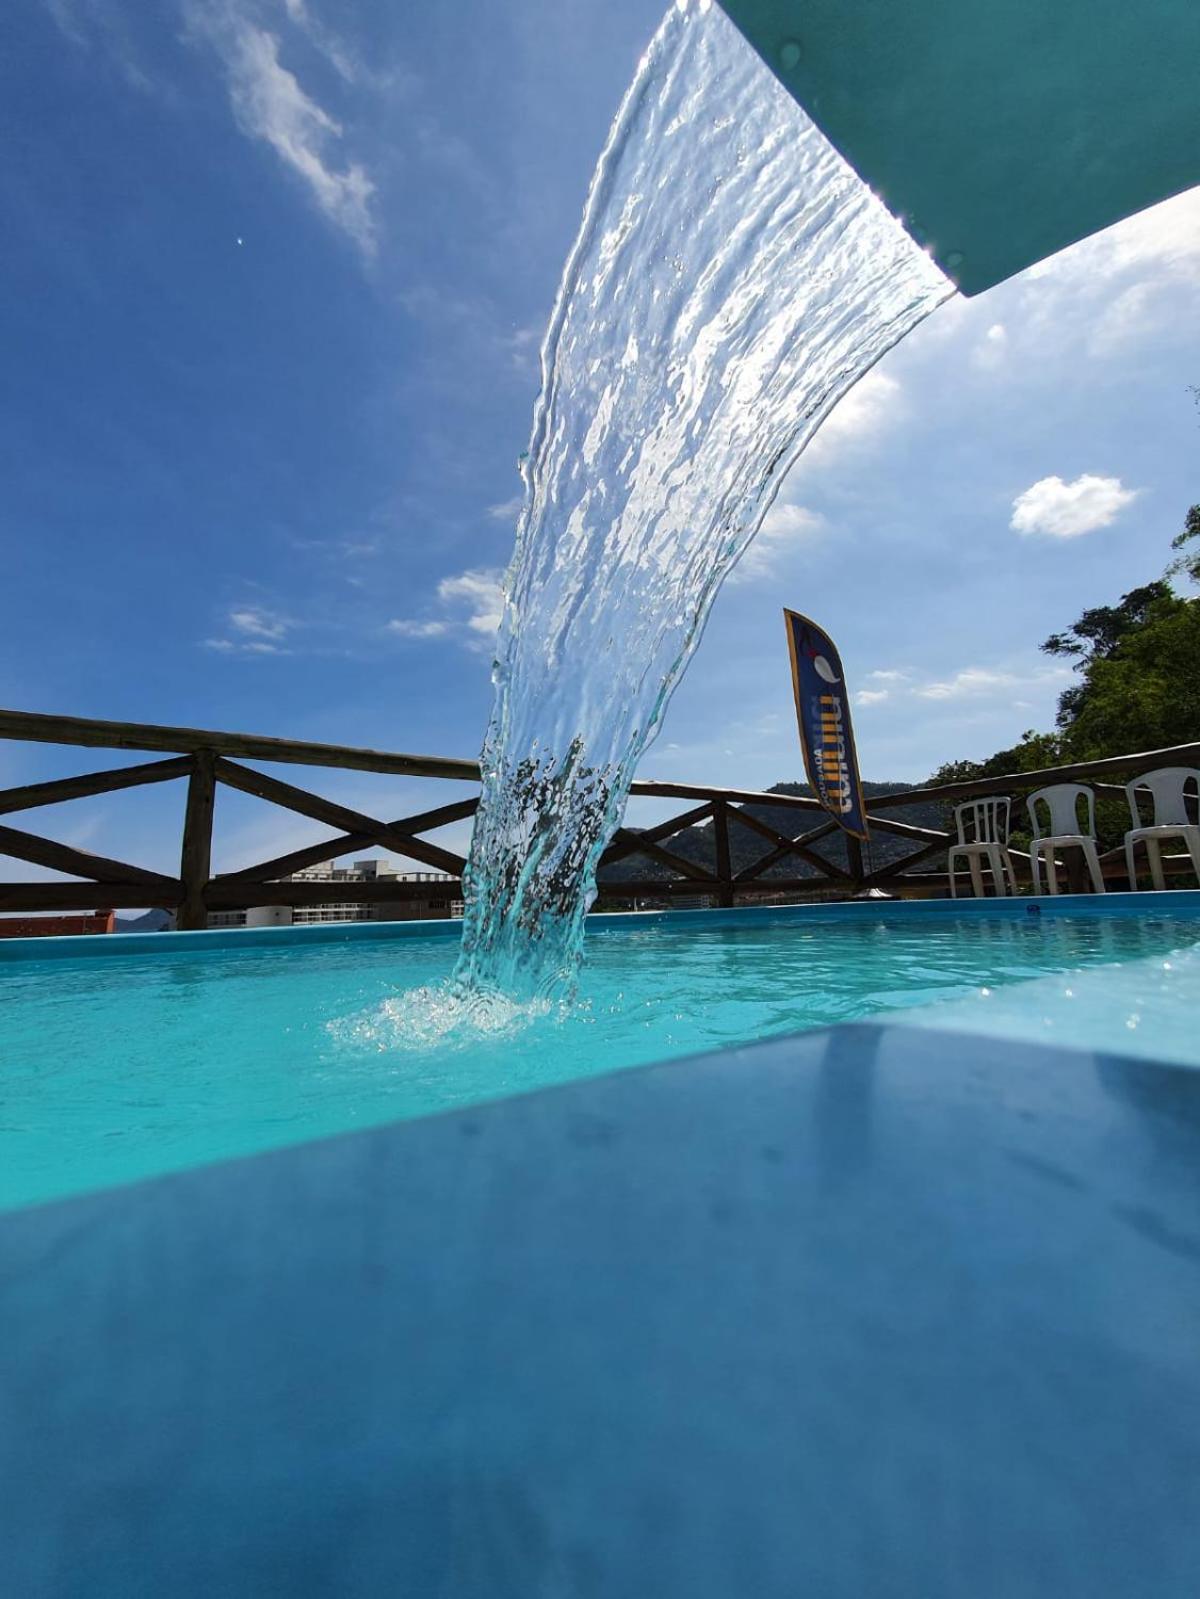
(122,1058)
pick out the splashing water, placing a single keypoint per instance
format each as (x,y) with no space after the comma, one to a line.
(732,279)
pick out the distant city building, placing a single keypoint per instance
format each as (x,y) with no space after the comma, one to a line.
(256,916)
(429,907)
(57,926)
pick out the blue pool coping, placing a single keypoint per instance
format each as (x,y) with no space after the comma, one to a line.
(1171,902)
(858,1311)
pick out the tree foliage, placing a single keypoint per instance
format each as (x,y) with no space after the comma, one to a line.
(1139,677)
(1188,564)
(1145,694)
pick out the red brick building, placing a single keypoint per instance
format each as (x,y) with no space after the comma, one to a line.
(57,926)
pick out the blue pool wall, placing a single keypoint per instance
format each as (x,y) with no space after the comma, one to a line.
(858,1312)
(1173,902)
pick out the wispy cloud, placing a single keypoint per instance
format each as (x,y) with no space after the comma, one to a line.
(523,345)
(784,527)
(1066,510)
(251,630)
(989,354)
(873,407)
(335,51)
(101,24)
(1164,237)
(270,104)
(481,594)
(970,683)
(506,510)
(68,21)
(1116,287)
(258,623)
(975,682)
(404,628)
(471,605)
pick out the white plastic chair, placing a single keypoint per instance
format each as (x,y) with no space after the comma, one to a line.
(1168,790)
(982,836)
(1061,801)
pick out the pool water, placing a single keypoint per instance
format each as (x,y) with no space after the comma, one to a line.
(120,1066)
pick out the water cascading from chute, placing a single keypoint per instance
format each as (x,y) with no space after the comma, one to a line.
(732,279)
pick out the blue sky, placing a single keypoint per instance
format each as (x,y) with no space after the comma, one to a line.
(272,286)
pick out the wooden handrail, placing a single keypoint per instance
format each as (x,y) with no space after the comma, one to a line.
(31,795)
(209,758)
(975,788)
(89,733)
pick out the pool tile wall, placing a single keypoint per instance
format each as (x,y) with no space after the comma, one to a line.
(860,1312)
(1173,902)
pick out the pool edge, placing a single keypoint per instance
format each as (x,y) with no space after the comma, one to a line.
(108,946)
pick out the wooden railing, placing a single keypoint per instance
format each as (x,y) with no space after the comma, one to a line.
(209,759)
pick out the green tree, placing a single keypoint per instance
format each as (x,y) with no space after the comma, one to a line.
(1145,694)
(1034,751)
(1138,688)
(1187,565)
(1139,664)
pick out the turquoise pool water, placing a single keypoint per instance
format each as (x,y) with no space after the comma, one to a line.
(153,1055)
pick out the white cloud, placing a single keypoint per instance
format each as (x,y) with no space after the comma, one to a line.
(872,696)
(1165,236)
(889,676)
(990,352)
(977,682)
(524,346)
(1130,316)
(969,683)
(472,604)
(506,510)
(873,405)
(783,526)
(228,646)
(319,36)
(251,630)
(257,622)
(1117,286)
(91,24)
(1067,510)
(67,22)
(270,104)
(415,629)
(482,594)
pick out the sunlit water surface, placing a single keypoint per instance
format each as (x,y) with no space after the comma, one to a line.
(116,1068)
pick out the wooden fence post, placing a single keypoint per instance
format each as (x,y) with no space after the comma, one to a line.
(721,838)
(854,858)
(195,864)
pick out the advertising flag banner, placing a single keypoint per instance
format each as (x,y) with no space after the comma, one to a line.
(823,713)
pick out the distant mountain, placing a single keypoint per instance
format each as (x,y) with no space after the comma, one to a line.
(155,921)
(746,847)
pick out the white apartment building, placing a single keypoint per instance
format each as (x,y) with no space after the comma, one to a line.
(422,908)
